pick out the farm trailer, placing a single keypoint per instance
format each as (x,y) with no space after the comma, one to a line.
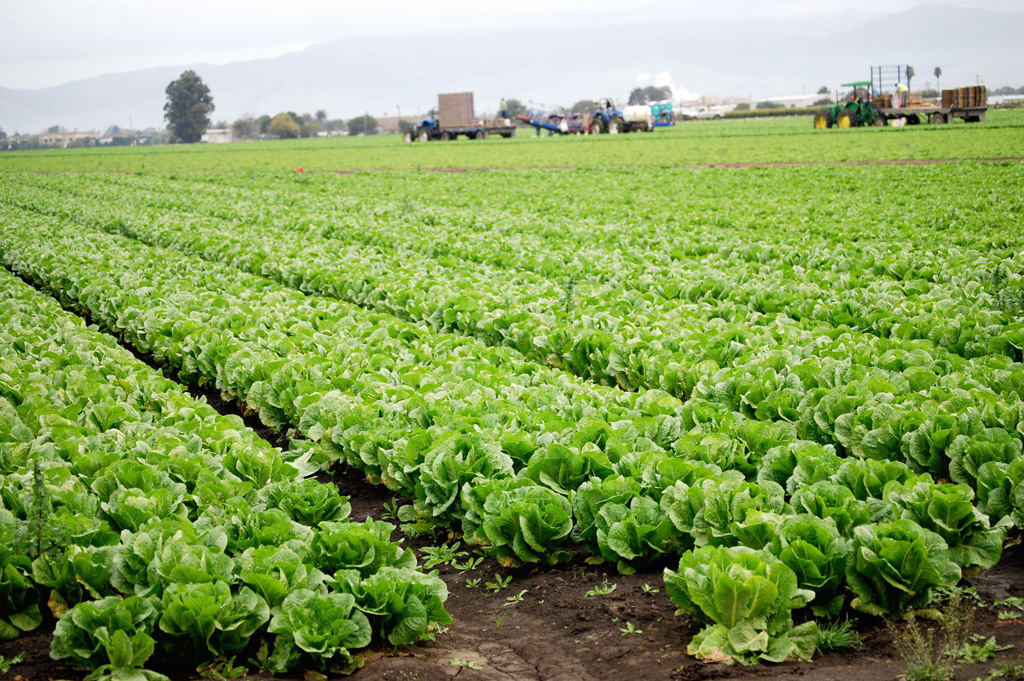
(867,106)
(456,116)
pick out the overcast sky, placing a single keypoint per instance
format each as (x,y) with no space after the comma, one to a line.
(49,42)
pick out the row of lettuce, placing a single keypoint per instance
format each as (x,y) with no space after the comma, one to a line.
(809,475)
(666,326)
(609,220)
(162,533)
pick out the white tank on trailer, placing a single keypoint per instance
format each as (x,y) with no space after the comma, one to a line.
(638,114)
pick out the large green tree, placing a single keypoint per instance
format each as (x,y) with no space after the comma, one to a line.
(188,107)
(651,93)
(363,125)
(283,126)
(584,106)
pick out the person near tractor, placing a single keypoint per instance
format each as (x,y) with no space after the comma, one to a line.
(897,100)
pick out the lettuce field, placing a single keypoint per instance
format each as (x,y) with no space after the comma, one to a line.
(621,416)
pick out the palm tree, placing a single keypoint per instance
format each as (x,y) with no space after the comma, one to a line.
(321,116)
(910,74)
(938,73)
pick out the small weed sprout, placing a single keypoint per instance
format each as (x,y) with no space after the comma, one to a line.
(439,555)
(499,584)
(604,589)
(5,664)
(977,649)
(467,565)
(390,511)
(518,598)
(469,664)
(630,629)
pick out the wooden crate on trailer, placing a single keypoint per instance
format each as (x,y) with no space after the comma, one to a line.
(455,109)
(883,101)
(914,99)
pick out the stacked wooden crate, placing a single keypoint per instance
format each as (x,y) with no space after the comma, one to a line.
(455,109)
(965,97)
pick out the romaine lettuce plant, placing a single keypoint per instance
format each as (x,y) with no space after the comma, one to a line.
(209,620)
(403,605)
(633,533)
(85,635)
(813,549)
(322,627)
(747,597)
(19,594)
(366,547)
(894,566)
(522,524)
(948,510)
(306,501)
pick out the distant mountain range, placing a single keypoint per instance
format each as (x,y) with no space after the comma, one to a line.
(553,66)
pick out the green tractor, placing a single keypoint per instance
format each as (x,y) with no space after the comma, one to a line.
(857,110)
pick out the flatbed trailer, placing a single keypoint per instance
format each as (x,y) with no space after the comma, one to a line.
(424,133)
(455,118)
(936,115)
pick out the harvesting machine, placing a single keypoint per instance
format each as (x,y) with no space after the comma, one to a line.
(606,119)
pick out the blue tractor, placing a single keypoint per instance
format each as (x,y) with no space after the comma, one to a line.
(612,120)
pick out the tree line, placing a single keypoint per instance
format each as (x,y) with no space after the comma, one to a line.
(190,103)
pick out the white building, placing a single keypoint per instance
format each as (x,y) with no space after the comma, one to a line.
(63,139)
(798,101)
(217,136)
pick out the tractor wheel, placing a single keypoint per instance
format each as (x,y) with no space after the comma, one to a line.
(939,119)
(447,136)
(596,126)
(823,119)
(424,136)
(616,125)
(846,119)
(407,136)
(879,120)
